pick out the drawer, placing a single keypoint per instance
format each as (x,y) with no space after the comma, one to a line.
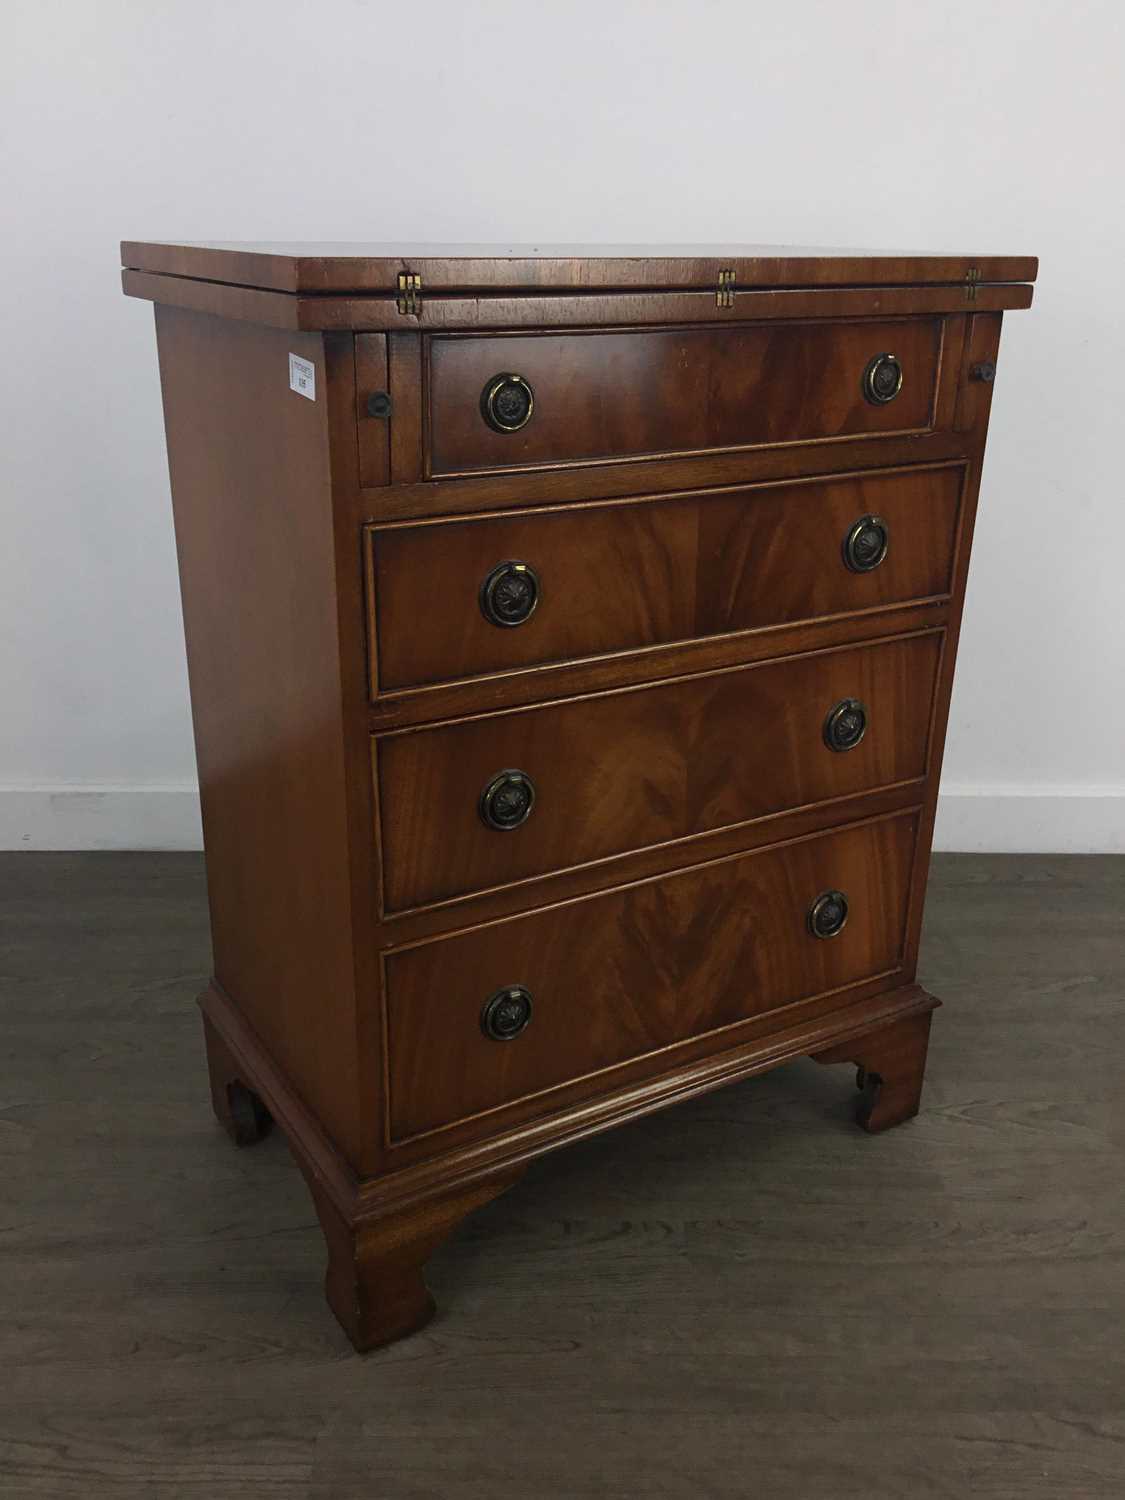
(533,400)
(456,599)
(615,977)
(621,771)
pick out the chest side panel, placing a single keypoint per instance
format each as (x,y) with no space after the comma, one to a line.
(249,467)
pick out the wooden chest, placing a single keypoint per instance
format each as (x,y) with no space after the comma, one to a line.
(571,635)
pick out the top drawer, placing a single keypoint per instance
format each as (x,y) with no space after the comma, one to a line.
(531,401)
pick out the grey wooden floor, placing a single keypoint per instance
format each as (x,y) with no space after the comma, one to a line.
(743,1296)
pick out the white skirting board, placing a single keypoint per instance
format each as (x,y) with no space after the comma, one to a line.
(100,816)
(1027,819)
(1016,819)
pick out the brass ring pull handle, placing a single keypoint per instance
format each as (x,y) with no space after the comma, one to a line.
(882,380)
(506,1013)
(865,545)
(507,800)
(828,914)
(509,594)
(507,402)
(845,725)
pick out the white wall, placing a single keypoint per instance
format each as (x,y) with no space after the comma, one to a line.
(961,126)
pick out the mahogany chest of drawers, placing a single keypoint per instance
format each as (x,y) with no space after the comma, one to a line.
(571,635)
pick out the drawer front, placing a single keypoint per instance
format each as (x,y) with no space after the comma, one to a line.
(625,576)
(581,397)
(622,771)
(614,977)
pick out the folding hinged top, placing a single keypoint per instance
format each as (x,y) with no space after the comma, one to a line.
(373,269)
(462,288)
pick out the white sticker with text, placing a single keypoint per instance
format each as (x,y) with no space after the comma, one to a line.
(302,377)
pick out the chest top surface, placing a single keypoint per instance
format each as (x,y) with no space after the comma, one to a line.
(301,267)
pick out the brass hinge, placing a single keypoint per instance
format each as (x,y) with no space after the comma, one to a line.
(409,299)
(724,296)
(971,278)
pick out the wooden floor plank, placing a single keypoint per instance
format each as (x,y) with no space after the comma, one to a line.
(743,1295)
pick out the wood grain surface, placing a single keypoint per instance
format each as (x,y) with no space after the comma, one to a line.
(357,266)
(258,576)
(630,973)
(647,572)
(480,311)
(619,395)
(741,1285)
(627,770)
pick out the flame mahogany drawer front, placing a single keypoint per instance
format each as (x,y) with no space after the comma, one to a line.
(558,398)
(597,982)
(556,585)
(571,640)
(501,798)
